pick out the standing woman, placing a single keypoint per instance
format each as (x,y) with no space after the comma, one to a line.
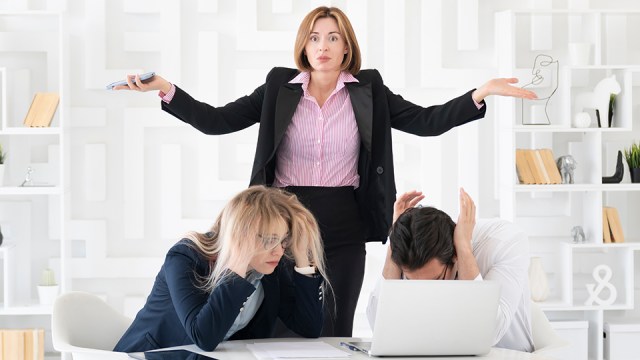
(325,135)
(233,282)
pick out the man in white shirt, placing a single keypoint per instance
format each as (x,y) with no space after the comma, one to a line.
(426,244)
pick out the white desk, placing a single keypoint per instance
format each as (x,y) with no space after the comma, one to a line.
(237,350)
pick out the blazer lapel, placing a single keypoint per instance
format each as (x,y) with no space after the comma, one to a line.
(362,103)
(286,104)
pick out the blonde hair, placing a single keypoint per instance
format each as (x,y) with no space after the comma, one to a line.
(234,237)
(352,60)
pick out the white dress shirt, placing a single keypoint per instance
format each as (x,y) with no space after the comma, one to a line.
(502,253)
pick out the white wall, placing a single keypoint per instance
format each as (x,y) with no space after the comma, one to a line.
(139,178)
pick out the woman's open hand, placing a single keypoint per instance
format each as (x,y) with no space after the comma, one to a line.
(502,87)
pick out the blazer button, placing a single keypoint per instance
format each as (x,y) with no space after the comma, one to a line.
(379,170)
(242,308)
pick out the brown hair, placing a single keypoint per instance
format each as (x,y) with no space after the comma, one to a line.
(352,60)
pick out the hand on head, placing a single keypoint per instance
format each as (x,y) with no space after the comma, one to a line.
(406,201)
(466,221)
(502,87)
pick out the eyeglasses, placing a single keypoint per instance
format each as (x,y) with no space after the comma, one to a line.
(271,241)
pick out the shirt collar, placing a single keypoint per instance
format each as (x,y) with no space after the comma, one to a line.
(254,277)
(304,77)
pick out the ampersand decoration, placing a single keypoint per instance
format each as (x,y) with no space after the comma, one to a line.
(603,282)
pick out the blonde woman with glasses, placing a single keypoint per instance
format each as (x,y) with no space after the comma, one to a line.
(261,260)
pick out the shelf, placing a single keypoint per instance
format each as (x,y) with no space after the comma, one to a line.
(565,129)
(600,307)
(30,13)
(35,309)
(30,190)
(634,67)
(625,245)
(563,306)
(30,131)
(576,187)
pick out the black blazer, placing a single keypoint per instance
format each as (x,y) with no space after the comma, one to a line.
(178,313)
(376,108)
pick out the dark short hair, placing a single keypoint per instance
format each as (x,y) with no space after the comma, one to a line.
(422,234)
(352,60)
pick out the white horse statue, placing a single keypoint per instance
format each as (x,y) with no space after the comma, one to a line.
(599,99)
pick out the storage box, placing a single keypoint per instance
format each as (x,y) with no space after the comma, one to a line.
(622,339)
(577,334)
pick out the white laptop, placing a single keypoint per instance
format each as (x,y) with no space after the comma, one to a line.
(433,318)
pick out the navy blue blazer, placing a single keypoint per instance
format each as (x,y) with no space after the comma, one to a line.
(377,111)
(177,312)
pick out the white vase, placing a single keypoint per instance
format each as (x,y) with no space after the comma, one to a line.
(47,294)
(538,283)
(1,174)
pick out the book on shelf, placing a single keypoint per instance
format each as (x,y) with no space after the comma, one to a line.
(42,109)
(606,230)
(537,166)
(536,169)
(541,167)
(525,176)
(613,219)
(550,166)
(21,344)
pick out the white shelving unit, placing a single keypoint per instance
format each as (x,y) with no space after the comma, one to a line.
(548,212)
(33,58)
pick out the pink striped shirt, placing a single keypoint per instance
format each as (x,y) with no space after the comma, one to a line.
(321,144)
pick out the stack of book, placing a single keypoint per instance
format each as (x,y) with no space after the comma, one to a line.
(537,167)
(21,344)
(611,226)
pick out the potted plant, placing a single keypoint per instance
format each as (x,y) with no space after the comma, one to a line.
(632,155)
(48,288)
(3,157)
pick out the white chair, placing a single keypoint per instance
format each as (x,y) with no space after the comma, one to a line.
(85,326)
(545,339)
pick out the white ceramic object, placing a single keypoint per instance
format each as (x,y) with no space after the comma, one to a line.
(538,282)
(47,294)
(582,120)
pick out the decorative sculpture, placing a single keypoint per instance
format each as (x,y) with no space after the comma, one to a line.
(566,165)
(538,283)
(539,64)
(27,178)
(578,234)
(603,281)
(616,178)
(582,120)
(599,99)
